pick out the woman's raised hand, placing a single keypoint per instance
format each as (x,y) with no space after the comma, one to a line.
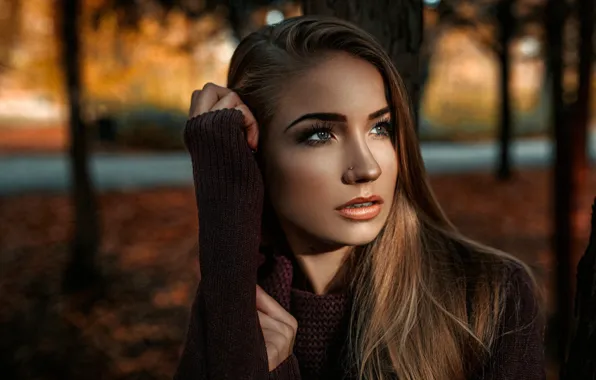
(278,326)
(213,97)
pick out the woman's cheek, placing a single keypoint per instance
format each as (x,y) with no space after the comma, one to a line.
(296,183)
(386,157)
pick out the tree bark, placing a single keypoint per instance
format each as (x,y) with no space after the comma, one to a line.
(581,364)
(81,272)
(582,106)
(396,24)
(564,185)
(505,17)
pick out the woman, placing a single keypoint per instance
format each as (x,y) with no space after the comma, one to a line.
(310,182)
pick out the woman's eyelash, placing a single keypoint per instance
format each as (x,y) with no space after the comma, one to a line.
(319,128)
(324,128)
(384,123)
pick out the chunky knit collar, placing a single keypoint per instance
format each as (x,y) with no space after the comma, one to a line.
(322,319)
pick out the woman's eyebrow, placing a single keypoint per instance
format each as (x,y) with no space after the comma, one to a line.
(323,116)
(378,113)
(336,117)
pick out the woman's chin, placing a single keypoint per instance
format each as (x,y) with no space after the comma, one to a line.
(353,233)
(331,234)
(350,237)
(359,240)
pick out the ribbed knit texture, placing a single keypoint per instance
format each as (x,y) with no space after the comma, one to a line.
(224,339)
(224,168)
(322,321)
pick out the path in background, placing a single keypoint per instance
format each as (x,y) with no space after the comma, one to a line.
(113,171)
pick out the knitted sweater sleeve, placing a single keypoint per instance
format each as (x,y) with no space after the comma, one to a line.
(519,350)
(224,339)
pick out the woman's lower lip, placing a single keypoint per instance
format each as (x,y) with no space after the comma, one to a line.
(361,213)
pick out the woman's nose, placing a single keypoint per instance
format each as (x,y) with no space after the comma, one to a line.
(364,168)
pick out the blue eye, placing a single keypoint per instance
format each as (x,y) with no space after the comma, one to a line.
(320,136)
(316,135)
(382,128)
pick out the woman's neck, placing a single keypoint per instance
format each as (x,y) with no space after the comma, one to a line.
(324,272)
(320,267)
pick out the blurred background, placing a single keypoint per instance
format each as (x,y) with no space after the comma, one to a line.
(97,210)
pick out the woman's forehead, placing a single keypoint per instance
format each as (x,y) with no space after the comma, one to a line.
(341,84)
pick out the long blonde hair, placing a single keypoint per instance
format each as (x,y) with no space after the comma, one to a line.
(439,320)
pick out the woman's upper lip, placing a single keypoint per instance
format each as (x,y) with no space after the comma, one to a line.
(372,198)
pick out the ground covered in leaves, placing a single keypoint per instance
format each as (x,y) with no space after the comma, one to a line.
(134,328)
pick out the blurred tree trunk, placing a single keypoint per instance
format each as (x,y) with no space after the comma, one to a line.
(9,30)
(581,110)
(581,364)
(238,17)
(564,185)
(506,20)
(81,272)
(396,24)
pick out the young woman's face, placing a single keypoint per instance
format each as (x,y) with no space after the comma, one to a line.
(328,144)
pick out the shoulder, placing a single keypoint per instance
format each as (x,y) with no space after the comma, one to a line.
(522,310)
(520,283)
(511,281)
(518,349)
(482,264)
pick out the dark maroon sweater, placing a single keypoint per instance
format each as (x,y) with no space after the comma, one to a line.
(224,338)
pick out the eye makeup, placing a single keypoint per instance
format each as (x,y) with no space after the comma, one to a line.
(321,133)
(385,126)
(322,130)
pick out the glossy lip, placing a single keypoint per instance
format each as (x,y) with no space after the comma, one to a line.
(361,213)
(372,198)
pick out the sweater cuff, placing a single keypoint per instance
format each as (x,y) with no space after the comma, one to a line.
(224,168)
(287,370)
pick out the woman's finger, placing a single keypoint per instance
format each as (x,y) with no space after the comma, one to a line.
(252,128)
(269,306)
(276,345)
(270,323)
(192,110)
(230,100)
(213,98)
(278,327)
(209,96)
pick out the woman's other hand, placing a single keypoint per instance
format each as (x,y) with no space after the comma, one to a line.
(213,97)
(279,328)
